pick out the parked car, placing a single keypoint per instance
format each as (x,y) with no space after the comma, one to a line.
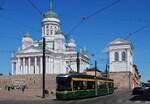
(138,91)
(143,90)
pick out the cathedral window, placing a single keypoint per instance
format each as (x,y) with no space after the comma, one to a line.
(51,32)
(47,29)
(123,55)
(55,29)
(116,55)
(53,45)
(43,30)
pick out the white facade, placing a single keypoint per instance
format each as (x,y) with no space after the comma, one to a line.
(60,55)
(120,56)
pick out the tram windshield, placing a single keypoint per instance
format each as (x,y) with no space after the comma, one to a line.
(63,84)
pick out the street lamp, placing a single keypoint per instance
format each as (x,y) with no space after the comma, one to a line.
(43,67)
(78,62)
(95,74)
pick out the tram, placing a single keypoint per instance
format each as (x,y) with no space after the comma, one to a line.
(77,85)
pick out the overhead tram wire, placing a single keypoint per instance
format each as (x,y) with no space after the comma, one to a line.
(101,10)
(7,51)
(91,15)
(138,30)
(10,37)
(35,7)
(1,5)
(19,23)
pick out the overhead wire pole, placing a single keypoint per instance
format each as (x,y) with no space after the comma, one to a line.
(44,45)
(95,77)
(78,62)
(43,67)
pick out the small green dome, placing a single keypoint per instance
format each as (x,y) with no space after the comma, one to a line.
(50,14)
(27,35)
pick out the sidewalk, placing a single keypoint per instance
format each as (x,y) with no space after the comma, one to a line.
(28,94)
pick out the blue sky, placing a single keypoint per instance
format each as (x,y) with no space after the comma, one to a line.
(18,17)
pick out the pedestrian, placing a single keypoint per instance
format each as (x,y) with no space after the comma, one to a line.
(8,88)
(23,88)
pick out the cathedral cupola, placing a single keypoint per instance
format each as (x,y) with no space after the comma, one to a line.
(50,22)
(71,45)
(26,40)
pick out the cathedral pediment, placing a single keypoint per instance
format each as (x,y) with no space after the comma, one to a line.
(31,50)
(119,41)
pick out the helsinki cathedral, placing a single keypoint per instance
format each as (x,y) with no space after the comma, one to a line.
(60,54)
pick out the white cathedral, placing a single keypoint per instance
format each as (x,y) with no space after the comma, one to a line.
(61,55)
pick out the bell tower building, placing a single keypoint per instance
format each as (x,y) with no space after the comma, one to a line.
(55,39)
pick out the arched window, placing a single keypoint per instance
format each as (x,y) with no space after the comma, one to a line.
(124,56)
(51,32)
(47,30)
(116,55)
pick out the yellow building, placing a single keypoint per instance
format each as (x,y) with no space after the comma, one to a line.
(91,71)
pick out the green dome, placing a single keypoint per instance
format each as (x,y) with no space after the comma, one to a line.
(50,14)
(27,35)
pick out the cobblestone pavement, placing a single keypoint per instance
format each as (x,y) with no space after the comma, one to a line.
(116,98)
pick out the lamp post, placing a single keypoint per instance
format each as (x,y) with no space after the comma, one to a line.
(95,77)
(95,67)
(43,67)
(78,62)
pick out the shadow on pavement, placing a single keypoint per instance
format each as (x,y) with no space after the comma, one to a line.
(140,98)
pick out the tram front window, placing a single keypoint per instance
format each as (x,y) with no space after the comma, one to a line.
(63,84)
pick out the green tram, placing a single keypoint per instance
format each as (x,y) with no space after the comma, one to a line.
(76,85)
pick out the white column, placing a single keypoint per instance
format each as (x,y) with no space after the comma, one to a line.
(12,70)
(45,30)
(23,69)
(35,64)
(29,65)
(18,66)
(49,29)
(41,65)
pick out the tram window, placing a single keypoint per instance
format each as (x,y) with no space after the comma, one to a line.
(109,85)
(77,85)
(102,85)
(84,85)
(63,84)
(98,84)
(90,85)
